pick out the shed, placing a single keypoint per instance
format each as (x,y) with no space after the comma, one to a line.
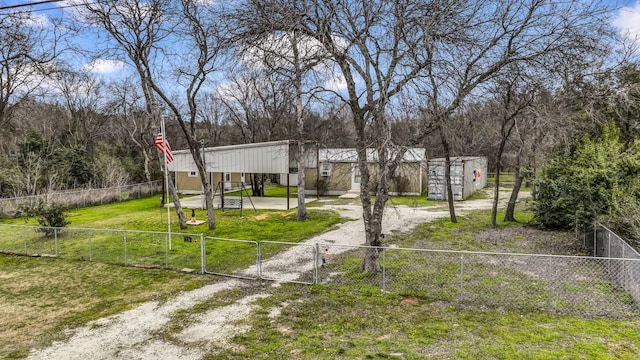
(468,175)
(339,172)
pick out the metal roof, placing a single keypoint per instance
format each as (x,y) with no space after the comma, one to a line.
(275,157)
(350,155)
(267,158)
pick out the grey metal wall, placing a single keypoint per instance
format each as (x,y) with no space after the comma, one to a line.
(468,175)
(475,175)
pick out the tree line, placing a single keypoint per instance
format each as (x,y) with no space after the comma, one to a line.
(517,81)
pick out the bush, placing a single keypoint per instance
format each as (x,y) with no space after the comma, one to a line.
(598,178)
(49,216)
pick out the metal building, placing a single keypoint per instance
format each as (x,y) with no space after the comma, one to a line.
(230,165)
(468,175)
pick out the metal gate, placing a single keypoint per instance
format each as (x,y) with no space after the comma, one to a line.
(288,262)
(274,260)
(223,261)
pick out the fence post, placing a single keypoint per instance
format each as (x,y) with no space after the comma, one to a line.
(166,251)
(125,247)
(624,269)
(595,242)
(55,241)
(203,257)
(24,238)
(549,281)
(259,259)
(316,275)
(384,269)
(609,253)
(461,277)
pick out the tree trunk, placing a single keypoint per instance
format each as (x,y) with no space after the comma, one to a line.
(208,199)
(447,175)
(302,207)
(182,220)
(496,194)
(373,227)
(147,162)
(201,164)
(163,200)
(256,187)
(511,206)
(371,262)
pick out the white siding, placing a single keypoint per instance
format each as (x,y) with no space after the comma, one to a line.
(267,158)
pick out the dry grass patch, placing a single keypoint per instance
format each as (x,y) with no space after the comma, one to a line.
(42,296)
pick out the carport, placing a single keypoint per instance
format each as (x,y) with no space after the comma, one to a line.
(227,167)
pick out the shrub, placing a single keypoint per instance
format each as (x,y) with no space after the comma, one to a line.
(49,216)
(598,178)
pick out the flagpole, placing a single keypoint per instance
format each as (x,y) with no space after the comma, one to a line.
(166,178)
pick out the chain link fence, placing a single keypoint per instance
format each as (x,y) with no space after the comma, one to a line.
(587,286)
(557,284)
(144,249)
(81,198)
(621,258)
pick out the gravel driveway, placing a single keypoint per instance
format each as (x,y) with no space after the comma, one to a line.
(131,334)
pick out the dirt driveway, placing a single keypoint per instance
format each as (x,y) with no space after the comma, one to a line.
(132,334)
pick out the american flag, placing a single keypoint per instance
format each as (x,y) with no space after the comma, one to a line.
(164,147)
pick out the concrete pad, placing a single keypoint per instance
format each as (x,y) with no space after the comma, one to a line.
(195,222)
(350,195)
(270,203)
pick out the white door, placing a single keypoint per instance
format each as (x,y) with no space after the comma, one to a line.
(355,177)
(227,181)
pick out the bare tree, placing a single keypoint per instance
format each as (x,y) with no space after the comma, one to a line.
(483,38)
(28,49)
(82,97)
(291,56)
(373,45)
(514,96)
(213,120)
(138,30)
(127,111)
(259,104)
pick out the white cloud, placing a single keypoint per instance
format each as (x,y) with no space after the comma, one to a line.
(30,19)
(38,20)
(628,21)
(336,83)
(278,51)
(104,66)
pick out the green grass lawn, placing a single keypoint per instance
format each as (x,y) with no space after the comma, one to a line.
(317,322)
(350,318)
(506,177)
(103,244)
(345,319)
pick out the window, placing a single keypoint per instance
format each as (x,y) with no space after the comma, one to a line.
(325,169)
(193,174)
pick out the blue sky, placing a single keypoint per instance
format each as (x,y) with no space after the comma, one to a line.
(627,20)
